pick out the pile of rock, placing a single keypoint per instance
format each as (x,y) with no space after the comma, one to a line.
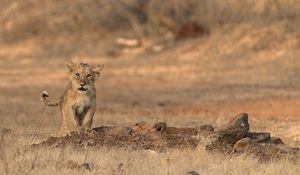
(232,139)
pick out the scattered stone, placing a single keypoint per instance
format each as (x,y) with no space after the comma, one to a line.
(142,128)
(144,135)
(264,152)
(102,129)
(225,138)
(233,139)
(160,127)
(238,127)
(121,131)
(259,136)
(193,173)
(243,145)
(205,130)
(181,131)
(276,141)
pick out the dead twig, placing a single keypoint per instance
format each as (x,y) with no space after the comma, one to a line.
(2,151)
(37,128)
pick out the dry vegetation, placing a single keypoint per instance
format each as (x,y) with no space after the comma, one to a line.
(247,61)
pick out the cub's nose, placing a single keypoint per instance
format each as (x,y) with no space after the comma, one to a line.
(82,84)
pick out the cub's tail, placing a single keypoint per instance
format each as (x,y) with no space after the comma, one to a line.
(45,100)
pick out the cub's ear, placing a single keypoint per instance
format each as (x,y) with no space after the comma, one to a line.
(97,70)
(71,66)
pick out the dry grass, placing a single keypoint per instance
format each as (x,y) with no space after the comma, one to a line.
(123,161)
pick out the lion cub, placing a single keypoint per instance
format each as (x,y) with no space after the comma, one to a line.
(78,102)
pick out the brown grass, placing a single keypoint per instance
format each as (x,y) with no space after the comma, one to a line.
(122,161)
(3,151)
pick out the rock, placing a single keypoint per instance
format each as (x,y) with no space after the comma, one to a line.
(264,151)
(243,145)
(238,126)
(110,130)
(276,141)
(193,173)
(181,131)
(120,131)
(234,138)
(160,127)
(264,137)
(145,136)
(228,135)
(102,129)
(142,128)
(205,129)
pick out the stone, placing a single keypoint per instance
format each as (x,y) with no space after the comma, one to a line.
(120,131)
(276,141)
(243,145)
(193,173)
(264,151)
(181,131)
(228,135)
(205,129)
(160,127)
(262,137)
(102,129)
(142,128)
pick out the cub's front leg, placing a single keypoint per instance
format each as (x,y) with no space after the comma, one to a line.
(88,118)
(69,119)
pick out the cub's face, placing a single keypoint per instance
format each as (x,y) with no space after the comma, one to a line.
(83,76)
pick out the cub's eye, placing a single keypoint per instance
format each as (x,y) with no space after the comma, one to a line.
(88,75)
(77,74)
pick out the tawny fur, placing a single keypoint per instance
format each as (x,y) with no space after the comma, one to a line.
(78,103)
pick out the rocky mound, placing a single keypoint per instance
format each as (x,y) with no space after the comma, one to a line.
(232,139)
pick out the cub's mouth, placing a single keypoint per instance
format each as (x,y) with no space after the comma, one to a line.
(82,89)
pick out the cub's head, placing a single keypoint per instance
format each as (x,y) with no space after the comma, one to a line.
(83,75)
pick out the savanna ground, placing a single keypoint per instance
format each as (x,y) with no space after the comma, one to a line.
(245,65)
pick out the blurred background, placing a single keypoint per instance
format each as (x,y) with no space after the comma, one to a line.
(58,28)
(184,62)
